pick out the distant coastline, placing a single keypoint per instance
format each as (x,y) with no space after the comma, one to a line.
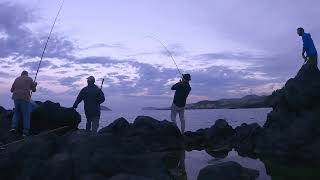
(246,102)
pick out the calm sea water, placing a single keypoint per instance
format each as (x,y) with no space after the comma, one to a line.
(196,119)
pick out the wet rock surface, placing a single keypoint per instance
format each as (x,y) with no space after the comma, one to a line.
(227,171)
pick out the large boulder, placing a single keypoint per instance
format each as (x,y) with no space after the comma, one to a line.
(117,127)
(219,137)
(157,135)
(292,129)
(245,137)
(227,171)
(49,115)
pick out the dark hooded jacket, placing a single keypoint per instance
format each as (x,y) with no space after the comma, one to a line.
(92,96)
(182,91)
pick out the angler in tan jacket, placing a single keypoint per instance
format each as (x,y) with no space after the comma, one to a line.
(21,90)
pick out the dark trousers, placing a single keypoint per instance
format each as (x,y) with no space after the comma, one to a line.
(313,60)
(93,124)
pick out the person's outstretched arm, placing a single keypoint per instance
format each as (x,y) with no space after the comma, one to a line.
(34,86)
(78,100)
(176,86)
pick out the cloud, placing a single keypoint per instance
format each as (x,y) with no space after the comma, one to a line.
(4,75)
(146,77)
(21,41)
(33,66)
(104,45)
(68,81)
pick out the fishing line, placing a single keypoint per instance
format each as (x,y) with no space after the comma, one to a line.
(170,54)
(45,47)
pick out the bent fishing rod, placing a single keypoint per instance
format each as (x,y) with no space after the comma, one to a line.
(169,53)
(45,47)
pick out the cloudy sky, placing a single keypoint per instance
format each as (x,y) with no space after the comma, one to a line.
(231,48)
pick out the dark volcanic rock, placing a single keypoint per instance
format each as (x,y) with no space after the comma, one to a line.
(2,110)
(129,177)
(292,129)
(119,126)
(216,140)
(227,171)
(245,137)
(165,133)
(5,119)
(219,136)
(49,115)
(45,116)
(195,140)
(119,151)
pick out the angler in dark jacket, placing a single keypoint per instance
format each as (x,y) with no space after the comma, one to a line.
(182,89)
(92,96)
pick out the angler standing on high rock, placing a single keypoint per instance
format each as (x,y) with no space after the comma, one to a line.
(21,89)
(309,49)
(182,89)
(92,96)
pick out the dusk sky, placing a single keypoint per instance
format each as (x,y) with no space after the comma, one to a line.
(231,48)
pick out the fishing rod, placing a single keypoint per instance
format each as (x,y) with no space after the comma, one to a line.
(102,83)
(45,47)
(3,147)
(170,54)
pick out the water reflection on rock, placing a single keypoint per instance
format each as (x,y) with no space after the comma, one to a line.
(175,162)
(246,162)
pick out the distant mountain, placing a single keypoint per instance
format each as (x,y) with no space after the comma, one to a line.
(104,108)
(250,101)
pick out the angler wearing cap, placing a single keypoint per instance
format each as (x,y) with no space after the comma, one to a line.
(309,49)
(182,89)
(21,90)
(92,96)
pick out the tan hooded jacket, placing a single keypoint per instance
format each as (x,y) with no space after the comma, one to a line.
(22,88)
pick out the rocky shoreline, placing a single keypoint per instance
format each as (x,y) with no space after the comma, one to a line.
(144,149)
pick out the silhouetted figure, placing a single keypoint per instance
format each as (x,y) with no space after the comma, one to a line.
(21,90)
(309,52)
(182,89)
(92,96)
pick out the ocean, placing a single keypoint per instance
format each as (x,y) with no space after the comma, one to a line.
(196,119)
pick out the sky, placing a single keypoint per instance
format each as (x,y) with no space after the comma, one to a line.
(231,48)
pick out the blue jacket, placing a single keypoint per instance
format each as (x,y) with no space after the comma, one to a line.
(308,45)
(92,96)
